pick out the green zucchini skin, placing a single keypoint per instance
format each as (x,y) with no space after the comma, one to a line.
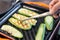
(41,32)
(19,24)
(27,12)
(14,32)
(21,17)
(49,22)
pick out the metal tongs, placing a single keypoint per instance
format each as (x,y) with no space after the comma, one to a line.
(37,16)
(42,15)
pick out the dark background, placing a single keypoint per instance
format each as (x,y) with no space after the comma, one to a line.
(45,1)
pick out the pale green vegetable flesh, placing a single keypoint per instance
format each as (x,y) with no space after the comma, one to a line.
(21,17)
(19,24)
(27,12)
(14,32)
(41,32)
(49,22)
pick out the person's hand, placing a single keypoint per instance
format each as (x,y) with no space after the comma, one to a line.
(54,6)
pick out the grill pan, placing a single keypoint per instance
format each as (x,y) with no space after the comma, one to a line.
(3,35)
(29,34)
(54,35)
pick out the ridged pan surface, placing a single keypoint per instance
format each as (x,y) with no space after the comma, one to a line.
(30,34)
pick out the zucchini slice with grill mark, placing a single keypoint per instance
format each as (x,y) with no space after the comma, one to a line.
(49,22)
(27,12)
(14,32)
(21,17)
(41,32)
(19,24)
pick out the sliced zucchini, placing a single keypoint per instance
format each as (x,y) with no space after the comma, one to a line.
(27,12)
(21,17)
(49,22)
(19,24)
(41,32)
(14,32)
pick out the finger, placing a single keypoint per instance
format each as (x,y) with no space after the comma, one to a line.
(55,16)
(55,8)
(52,3)
(59,14)
(59,0)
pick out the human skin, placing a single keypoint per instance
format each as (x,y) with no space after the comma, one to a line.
(53,7)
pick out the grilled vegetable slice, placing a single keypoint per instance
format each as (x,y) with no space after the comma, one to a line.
(41,32)
(19,24)
(21,17)
(27,12)
(49,22)
(14,32)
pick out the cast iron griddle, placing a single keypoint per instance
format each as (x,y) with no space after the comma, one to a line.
(29,34)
